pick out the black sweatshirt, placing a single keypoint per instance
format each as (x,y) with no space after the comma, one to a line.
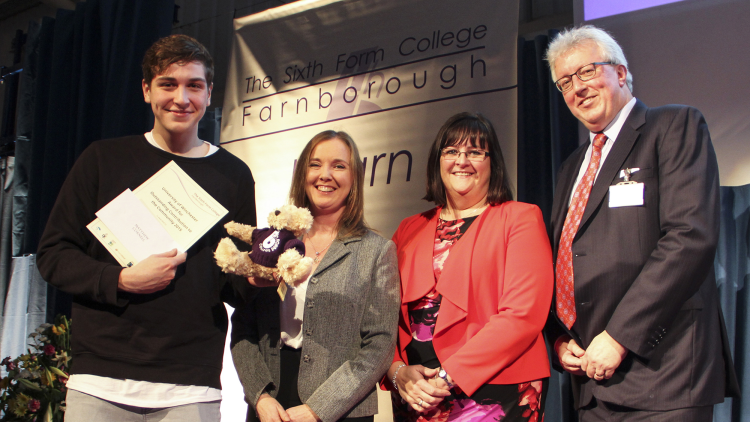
(172,336)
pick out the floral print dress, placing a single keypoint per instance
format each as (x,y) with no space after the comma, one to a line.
(491,402)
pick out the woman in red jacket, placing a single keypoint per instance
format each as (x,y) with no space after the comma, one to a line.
(476,285)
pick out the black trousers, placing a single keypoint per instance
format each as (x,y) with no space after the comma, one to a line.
(288,395)
(603,411)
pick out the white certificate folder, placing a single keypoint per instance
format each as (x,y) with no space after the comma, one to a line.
(168,211)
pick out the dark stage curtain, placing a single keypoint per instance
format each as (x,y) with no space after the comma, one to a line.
(547,131)
(82,82)
(732,266)
(547,135)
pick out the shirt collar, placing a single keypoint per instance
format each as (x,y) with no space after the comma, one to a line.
(613,128)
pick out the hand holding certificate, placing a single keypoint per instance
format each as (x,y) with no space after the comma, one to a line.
(152,274)
(168,211)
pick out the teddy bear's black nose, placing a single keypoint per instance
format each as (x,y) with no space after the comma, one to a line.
(278,212)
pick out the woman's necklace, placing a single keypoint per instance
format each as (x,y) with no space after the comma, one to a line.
(317,253)
(469,213)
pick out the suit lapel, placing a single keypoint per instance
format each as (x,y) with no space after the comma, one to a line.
(337,251)
(457,267)
(620,151)
(458,264)
(421,276)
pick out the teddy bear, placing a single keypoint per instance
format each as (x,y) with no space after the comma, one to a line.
(276,248)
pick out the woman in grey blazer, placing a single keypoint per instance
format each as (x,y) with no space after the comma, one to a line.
(316,355)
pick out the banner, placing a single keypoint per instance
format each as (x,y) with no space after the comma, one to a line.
(388,72)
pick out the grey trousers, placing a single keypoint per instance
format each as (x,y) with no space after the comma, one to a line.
(82,407)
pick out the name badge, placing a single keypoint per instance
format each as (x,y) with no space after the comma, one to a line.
(626,194)
(281,290)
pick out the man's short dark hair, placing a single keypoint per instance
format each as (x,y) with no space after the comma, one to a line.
(172,49)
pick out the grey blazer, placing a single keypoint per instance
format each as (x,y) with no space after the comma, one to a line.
(350,320)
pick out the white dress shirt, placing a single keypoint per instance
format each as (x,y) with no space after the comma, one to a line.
(292,313)
(612,130)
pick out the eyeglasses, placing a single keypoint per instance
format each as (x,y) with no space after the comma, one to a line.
(585,73)
(475,155)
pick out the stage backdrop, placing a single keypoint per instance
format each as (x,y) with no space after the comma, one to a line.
(388,72)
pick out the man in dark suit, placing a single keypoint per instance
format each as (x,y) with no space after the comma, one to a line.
(634,228)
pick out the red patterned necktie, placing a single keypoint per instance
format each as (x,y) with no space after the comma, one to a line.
(566,305)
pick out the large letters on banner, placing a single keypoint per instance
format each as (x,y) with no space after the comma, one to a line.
(388,72)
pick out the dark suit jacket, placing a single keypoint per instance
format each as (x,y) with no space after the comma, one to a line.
(645,273)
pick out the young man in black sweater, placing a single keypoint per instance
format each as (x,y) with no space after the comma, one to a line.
(149,339)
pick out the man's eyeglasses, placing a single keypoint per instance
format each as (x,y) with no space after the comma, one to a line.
(452,154)
(585,73)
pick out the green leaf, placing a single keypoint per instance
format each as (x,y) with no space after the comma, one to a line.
(28,384)
(58,372)
(49,376)
(48,413)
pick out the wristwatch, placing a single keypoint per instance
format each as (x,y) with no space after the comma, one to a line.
(444,376)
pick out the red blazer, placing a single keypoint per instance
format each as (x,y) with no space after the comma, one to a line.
(497,287)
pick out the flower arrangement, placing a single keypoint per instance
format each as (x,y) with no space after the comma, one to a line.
(34,390)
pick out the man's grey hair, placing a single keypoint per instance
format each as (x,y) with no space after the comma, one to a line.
(572,38)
